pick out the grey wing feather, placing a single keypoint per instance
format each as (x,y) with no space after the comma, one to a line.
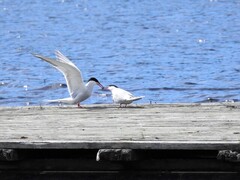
(129,96)
(71,73)
(136,98)
(60,57)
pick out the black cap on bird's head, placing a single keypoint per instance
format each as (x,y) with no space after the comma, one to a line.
(113,85)
(95,80)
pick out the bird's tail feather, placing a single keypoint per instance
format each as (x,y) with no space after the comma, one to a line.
(64,100)
(136,98)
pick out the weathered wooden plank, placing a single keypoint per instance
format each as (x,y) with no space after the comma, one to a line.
(165,126)
(108,175)
(118,144)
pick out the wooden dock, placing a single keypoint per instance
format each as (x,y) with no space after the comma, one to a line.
(156,140)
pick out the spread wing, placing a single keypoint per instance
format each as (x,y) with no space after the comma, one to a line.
(71,73)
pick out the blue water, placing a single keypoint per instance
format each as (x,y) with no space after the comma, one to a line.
(168,51)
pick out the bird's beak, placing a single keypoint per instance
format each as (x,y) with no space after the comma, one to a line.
(105,88)
(100,85)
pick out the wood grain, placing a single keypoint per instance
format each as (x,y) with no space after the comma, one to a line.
(211,126)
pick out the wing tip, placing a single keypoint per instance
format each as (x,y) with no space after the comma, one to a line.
(57,52)
(36,55)
(137,98)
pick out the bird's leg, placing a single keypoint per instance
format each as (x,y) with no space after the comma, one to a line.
(79,106)
(125,105)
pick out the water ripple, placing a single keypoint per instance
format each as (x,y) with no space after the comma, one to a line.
(168,52)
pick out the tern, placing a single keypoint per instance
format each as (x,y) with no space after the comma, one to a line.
(121,96)
(77,89)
